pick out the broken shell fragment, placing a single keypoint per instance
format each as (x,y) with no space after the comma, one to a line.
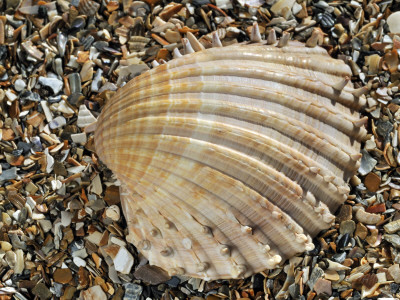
(245,151)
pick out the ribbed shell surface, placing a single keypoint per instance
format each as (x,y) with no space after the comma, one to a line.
(232,158)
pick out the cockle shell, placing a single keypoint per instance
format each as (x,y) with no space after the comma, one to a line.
(232,158)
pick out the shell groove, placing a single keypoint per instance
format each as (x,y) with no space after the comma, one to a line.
(232,158)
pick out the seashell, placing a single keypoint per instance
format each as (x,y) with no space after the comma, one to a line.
(88,7)
(233,158)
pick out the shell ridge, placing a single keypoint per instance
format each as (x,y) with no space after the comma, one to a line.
(259,143)
(317,111)
(280,237)
(317,140)
(266,71)
(299,204)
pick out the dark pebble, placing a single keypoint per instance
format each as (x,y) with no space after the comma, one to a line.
(384,128)
(25,147)
(87,42)
(394,287)
(258,283)
(23,215)
(156,293)
(326,20)
(100,45)
(200,2)
(339,257)
(3,52)
(315,251)
(41,291)
(180,295)
(356,295)
(225,290)
(343,241)
(162,287)
(73,99)
(78,23)
(294,290)
(45,91)
(91,22)
(173,282)
(30,96)
(5,166)
(54,99)
(17,152)
(42,12)
(396,100)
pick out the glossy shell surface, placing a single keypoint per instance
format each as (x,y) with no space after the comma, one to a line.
(231,159)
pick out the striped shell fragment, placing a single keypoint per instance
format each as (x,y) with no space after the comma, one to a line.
(231,159)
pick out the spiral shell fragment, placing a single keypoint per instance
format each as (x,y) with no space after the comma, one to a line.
(243,151)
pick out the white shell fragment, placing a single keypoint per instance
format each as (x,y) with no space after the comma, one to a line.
(123,261)
(85,117)
(232,158)
(393,22)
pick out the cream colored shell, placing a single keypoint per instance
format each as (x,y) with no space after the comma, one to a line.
(232,158)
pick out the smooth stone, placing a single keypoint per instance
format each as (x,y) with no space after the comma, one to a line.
(8,174)
(25,147)
(75,83)
(323,286)
(19,85)
(393,22)
(347,227)
(173,282)
(85,117)
(96,83)
(54,99)
(343,241)
(132,291)
(394,271)
(392,227)
(123,261)
(108,86)
(258,282)
(87,71)
(30,96)
(151,274)
(394,239)
(367,163)
(294,290)
(54,84)
(361,231)
(87,42)
(345,213)
(339,257)
(57,122)
(41,291)
(326,20)
(94,292)
(62,40)
(79,138)
(66,218)
(62,276)
(57,67)
(282,6)
(384,128)
(172,36)
(78,23)
(79,262)
(46,225)
(316,273)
